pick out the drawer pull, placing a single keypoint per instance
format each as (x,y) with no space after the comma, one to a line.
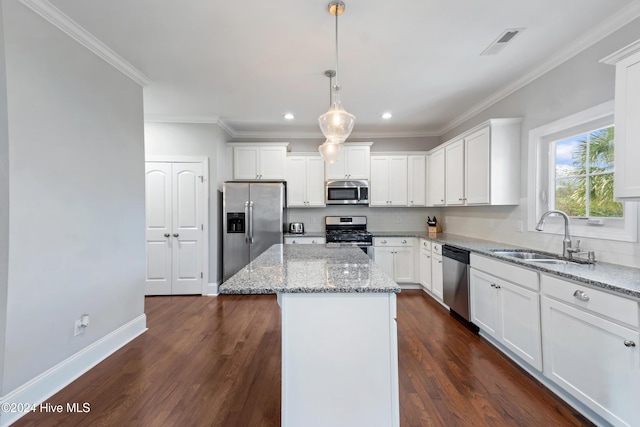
(581,295)
(384,242)
(629,343)
(403,242)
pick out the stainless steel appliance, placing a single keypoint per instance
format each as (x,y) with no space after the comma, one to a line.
(253,221)
(343,192)
(455,275)
(348,231)
(296,228)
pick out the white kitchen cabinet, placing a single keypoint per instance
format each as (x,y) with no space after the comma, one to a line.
(479,167)
(425,264)
(395,256)
(305,181)
(591,348)
(304,240)
(454,173)
(437,287)
(417,180)
(435,181)
(339,359)
(627,125)
(388,186)
(509,313)
(259,162)
(353,164)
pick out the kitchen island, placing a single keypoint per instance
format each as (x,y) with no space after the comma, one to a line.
(339,333)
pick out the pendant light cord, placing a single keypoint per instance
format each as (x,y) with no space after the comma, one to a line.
(336,13)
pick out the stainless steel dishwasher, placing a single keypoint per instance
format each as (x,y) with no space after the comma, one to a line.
(455,280)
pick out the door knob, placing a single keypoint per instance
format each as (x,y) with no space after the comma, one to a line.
(167,234)
(175,234)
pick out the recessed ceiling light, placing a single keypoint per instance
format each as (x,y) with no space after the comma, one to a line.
(289,116)
(387,115)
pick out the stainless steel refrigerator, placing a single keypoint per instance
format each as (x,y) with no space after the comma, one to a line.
(253,221)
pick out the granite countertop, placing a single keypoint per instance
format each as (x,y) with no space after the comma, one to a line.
(615,278)
(309,269)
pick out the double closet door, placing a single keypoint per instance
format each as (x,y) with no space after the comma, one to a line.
(175,195)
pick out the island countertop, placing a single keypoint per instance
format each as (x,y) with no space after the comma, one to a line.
(309,269)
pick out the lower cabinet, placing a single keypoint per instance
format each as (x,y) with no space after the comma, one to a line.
(394,255)
(509,313)
(592,348)
(304,240)
(436,271)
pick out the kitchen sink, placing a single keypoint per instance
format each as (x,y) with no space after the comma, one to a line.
(535,257)
(526,255)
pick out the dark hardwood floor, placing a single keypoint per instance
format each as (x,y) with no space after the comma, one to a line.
(216,362)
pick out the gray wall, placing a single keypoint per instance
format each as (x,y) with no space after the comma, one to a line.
(4,199)
(196,140)
(76,206)
(580,83)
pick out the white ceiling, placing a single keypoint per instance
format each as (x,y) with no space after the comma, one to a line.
(247,62)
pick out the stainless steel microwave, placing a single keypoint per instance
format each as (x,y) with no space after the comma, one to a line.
(347,192)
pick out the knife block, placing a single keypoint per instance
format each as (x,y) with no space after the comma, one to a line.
(434,229)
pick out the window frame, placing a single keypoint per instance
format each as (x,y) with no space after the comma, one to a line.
(539,191)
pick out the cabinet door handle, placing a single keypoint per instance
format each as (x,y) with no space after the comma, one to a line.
(403,242)
(629,343)
(581,295)
(175,234)
(493,285)
(384,242)
(167,234)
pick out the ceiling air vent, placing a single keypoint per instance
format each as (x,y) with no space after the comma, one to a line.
(502,41)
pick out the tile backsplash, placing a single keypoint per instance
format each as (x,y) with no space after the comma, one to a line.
(378,219)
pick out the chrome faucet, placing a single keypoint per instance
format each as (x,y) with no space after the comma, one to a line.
(566,243)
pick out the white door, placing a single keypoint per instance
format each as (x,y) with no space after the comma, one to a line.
(273,163)
(357,162)
(417,192)
(484,303)
(175,196)
(403,265)
(425,269)
(245,163)
(384,259)
(436,276)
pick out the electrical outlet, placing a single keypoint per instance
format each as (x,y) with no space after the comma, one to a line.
(79,329)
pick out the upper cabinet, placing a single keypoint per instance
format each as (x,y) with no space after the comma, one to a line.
(417,184)
(627,125)
(388,180)
(265,161)
(305,181)
(435,177)
(479,167)
(353,164)
(398,179)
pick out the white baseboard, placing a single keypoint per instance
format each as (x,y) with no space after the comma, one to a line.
(211,289)
(45,385)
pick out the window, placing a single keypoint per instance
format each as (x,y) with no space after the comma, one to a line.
(571,168)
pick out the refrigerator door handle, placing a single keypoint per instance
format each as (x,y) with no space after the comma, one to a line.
(246,218)
(250,222)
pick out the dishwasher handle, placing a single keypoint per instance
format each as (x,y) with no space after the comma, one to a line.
(457,254)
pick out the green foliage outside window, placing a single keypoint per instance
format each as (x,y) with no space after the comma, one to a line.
(584,175)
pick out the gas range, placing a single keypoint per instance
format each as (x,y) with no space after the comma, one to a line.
(347,231)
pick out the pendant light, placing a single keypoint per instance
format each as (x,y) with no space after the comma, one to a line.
(336,124)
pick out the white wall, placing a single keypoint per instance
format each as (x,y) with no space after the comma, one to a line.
(76,206)
(196,140)
(579,83)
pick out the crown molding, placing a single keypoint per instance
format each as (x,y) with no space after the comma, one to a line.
(621,54)
(61,21)
(594,35)
(163,118)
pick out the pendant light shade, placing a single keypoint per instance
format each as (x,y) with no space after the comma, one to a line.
(330,151)
(336,124)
